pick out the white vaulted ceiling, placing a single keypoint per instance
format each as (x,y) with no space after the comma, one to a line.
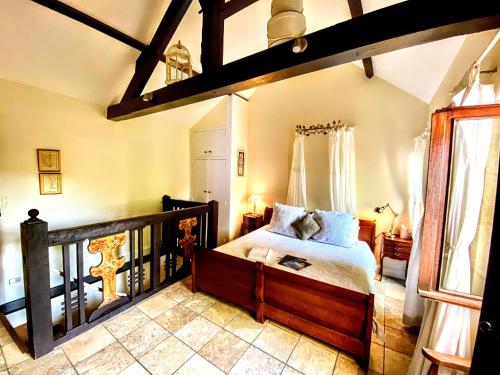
(42,48)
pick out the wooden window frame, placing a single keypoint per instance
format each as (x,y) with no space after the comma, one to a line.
(441,140)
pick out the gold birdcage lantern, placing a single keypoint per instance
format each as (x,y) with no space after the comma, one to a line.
(178,63)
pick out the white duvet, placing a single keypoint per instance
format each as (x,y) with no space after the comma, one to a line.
(351,268)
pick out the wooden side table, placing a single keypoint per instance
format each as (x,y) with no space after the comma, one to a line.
(251,222)
(395,248)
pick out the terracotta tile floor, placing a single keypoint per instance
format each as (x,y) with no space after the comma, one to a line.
(176,332)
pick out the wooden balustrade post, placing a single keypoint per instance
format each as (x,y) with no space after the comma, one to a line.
(166,203)
(212,224)
(155,249)
(36,269)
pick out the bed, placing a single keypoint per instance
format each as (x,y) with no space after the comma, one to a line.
(331,300)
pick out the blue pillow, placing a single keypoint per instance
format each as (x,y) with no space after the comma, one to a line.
(336,228)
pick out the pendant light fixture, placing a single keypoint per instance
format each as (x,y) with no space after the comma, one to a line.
(287,22)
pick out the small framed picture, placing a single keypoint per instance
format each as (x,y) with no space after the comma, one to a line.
(49,160)
(241,163)
(50,183)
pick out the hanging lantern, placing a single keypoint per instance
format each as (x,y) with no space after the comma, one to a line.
(178,63)
(286,23)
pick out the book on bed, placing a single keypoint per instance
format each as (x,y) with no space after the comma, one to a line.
(294,262)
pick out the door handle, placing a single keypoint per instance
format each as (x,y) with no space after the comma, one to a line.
(486,327)
(209,192)
(204,191)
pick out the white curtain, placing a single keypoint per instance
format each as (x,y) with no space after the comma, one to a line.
(297,184)
(342,170)
(414,304)
(448,328)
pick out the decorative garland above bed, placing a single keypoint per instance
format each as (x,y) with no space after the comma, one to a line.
(320,128)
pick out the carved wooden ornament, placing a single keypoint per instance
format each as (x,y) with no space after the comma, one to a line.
(189,239)
(108,266)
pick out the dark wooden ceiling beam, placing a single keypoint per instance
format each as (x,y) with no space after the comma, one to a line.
(84,18)
(234,6)
(147,61)
(356,9)
(212,35)
(402,25)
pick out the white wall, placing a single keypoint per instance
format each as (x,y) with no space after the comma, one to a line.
(239,141)
(386,118)
(109,170)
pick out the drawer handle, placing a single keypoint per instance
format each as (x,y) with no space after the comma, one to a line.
(210,151)
(397,254)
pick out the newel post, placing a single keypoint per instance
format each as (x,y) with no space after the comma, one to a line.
(166,203)
(213,224)
(35,250)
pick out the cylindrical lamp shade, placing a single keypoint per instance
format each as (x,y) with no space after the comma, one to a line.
(178,63)
(287,21)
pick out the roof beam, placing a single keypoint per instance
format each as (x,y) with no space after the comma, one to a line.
(356,9)
(147,61)
(212,35)
(84,18)
(234,6)
(402,25)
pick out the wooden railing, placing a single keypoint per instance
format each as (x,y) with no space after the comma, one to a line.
(166,242)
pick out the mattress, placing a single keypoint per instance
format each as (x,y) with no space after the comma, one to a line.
(350,268)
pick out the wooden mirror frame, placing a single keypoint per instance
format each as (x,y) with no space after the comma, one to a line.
(441,140)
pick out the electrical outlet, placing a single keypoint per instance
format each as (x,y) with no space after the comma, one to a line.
(4,201)
(14,280)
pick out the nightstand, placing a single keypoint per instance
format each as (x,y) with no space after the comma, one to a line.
(395,248)
(251,222)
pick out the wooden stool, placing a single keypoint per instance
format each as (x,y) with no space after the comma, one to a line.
(445,360)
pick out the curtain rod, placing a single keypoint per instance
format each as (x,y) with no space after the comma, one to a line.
(320,128)
(467,79)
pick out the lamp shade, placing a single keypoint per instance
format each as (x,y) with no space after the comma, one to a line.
(254,198)
(287,21)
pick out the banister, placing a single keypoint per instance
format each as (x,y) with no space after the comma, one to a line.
(36,239)
(108,228)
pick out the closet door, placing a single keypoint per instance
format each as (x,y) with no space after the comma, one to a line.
(199,144)
(199,180)
(217,187)
(217,141)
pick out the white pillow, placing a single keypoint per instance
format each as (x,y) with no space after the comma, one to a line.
(283,217)
(336,228)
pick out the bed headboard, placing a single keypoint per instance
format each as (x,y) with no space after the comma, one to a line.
(367,228)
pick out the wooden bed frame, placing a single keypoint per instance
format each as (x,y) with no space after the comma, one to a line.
(338,316)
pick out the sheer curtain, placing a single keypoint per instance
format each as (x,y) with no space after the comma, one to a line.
(296,195)
(414,304)
(342,170)
(447,328)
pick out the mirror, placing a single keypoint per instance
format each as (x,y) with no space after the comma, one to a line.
(470,205)
(460,202)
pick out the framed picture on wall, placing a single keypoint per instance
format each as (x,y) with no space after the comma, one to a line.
(241,163)
(49,160)
(50,183)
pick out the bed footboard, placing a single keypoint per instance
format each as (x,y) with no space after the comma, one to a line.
(338,316)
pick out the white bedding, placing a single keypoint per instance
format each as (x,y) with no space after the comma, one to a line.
(351,268)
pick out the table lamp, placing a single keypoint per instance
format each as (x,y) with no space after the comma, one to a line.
(254,198)
(381,209)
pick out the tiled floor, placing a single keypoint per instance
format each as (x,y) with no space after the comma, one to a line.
(176,332)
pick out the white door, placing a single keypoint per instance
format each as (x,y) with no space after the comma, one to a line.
(199,180)
(217,143)
(199,144)
(217,188)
